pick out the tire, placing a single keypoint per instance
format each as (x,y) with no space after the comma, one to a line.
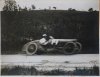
(78,47)
(31,49)
(69,48)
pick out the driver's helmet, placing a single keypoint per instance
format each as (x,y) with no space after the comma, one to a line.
(44,35)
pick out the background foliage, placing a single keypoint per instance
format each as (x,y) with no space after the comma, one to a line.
(20,25)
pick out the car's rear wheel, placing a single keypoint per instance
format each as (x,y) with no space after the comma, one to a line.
(31,49)
(69,48)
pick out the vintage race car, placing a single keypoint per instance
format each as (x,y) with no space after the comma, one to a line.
(66,46)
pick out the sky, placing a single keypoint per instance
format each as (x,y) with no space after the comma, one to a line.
(59,4)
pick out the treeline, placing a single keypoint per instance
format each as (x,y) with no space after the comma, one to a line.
(18,27)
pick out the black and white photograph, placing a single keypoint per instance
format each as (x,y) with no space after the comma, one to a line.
(49,37)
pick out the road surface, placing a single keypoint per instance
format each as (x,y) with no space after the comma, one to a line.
(49,62)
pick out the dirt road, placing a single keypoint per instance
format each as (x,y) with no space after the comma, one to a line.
(51,61)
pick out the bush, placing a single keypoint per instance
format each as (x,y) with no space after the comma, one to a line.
(18,70)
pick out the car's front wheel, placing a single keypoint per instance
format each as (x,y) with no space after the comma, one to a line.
(31,49)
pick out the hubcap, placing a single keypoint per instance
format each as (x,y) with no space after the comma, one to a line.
(31,48)
(69,48)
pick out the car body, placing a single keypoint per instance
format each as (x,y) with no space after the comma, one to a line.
(67,46)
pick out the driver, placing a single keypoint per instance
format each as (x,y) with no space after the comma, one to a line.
(44,40)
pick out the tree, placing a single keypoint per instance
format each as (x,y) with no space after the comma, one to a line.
(70,9)
(49,7)
(25,9)
(10,5)
(90,10)
(33,7)
(19,8)
(55,8)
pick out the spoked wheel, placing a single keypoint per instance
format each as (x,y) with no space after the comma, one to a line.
(78,47)
(69,48)
(31,49)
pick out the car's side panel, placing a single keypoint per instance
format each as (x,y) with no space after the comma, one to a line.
(55,44)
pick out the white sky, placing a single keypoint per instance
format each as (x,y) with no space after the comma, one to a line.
(60,4)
